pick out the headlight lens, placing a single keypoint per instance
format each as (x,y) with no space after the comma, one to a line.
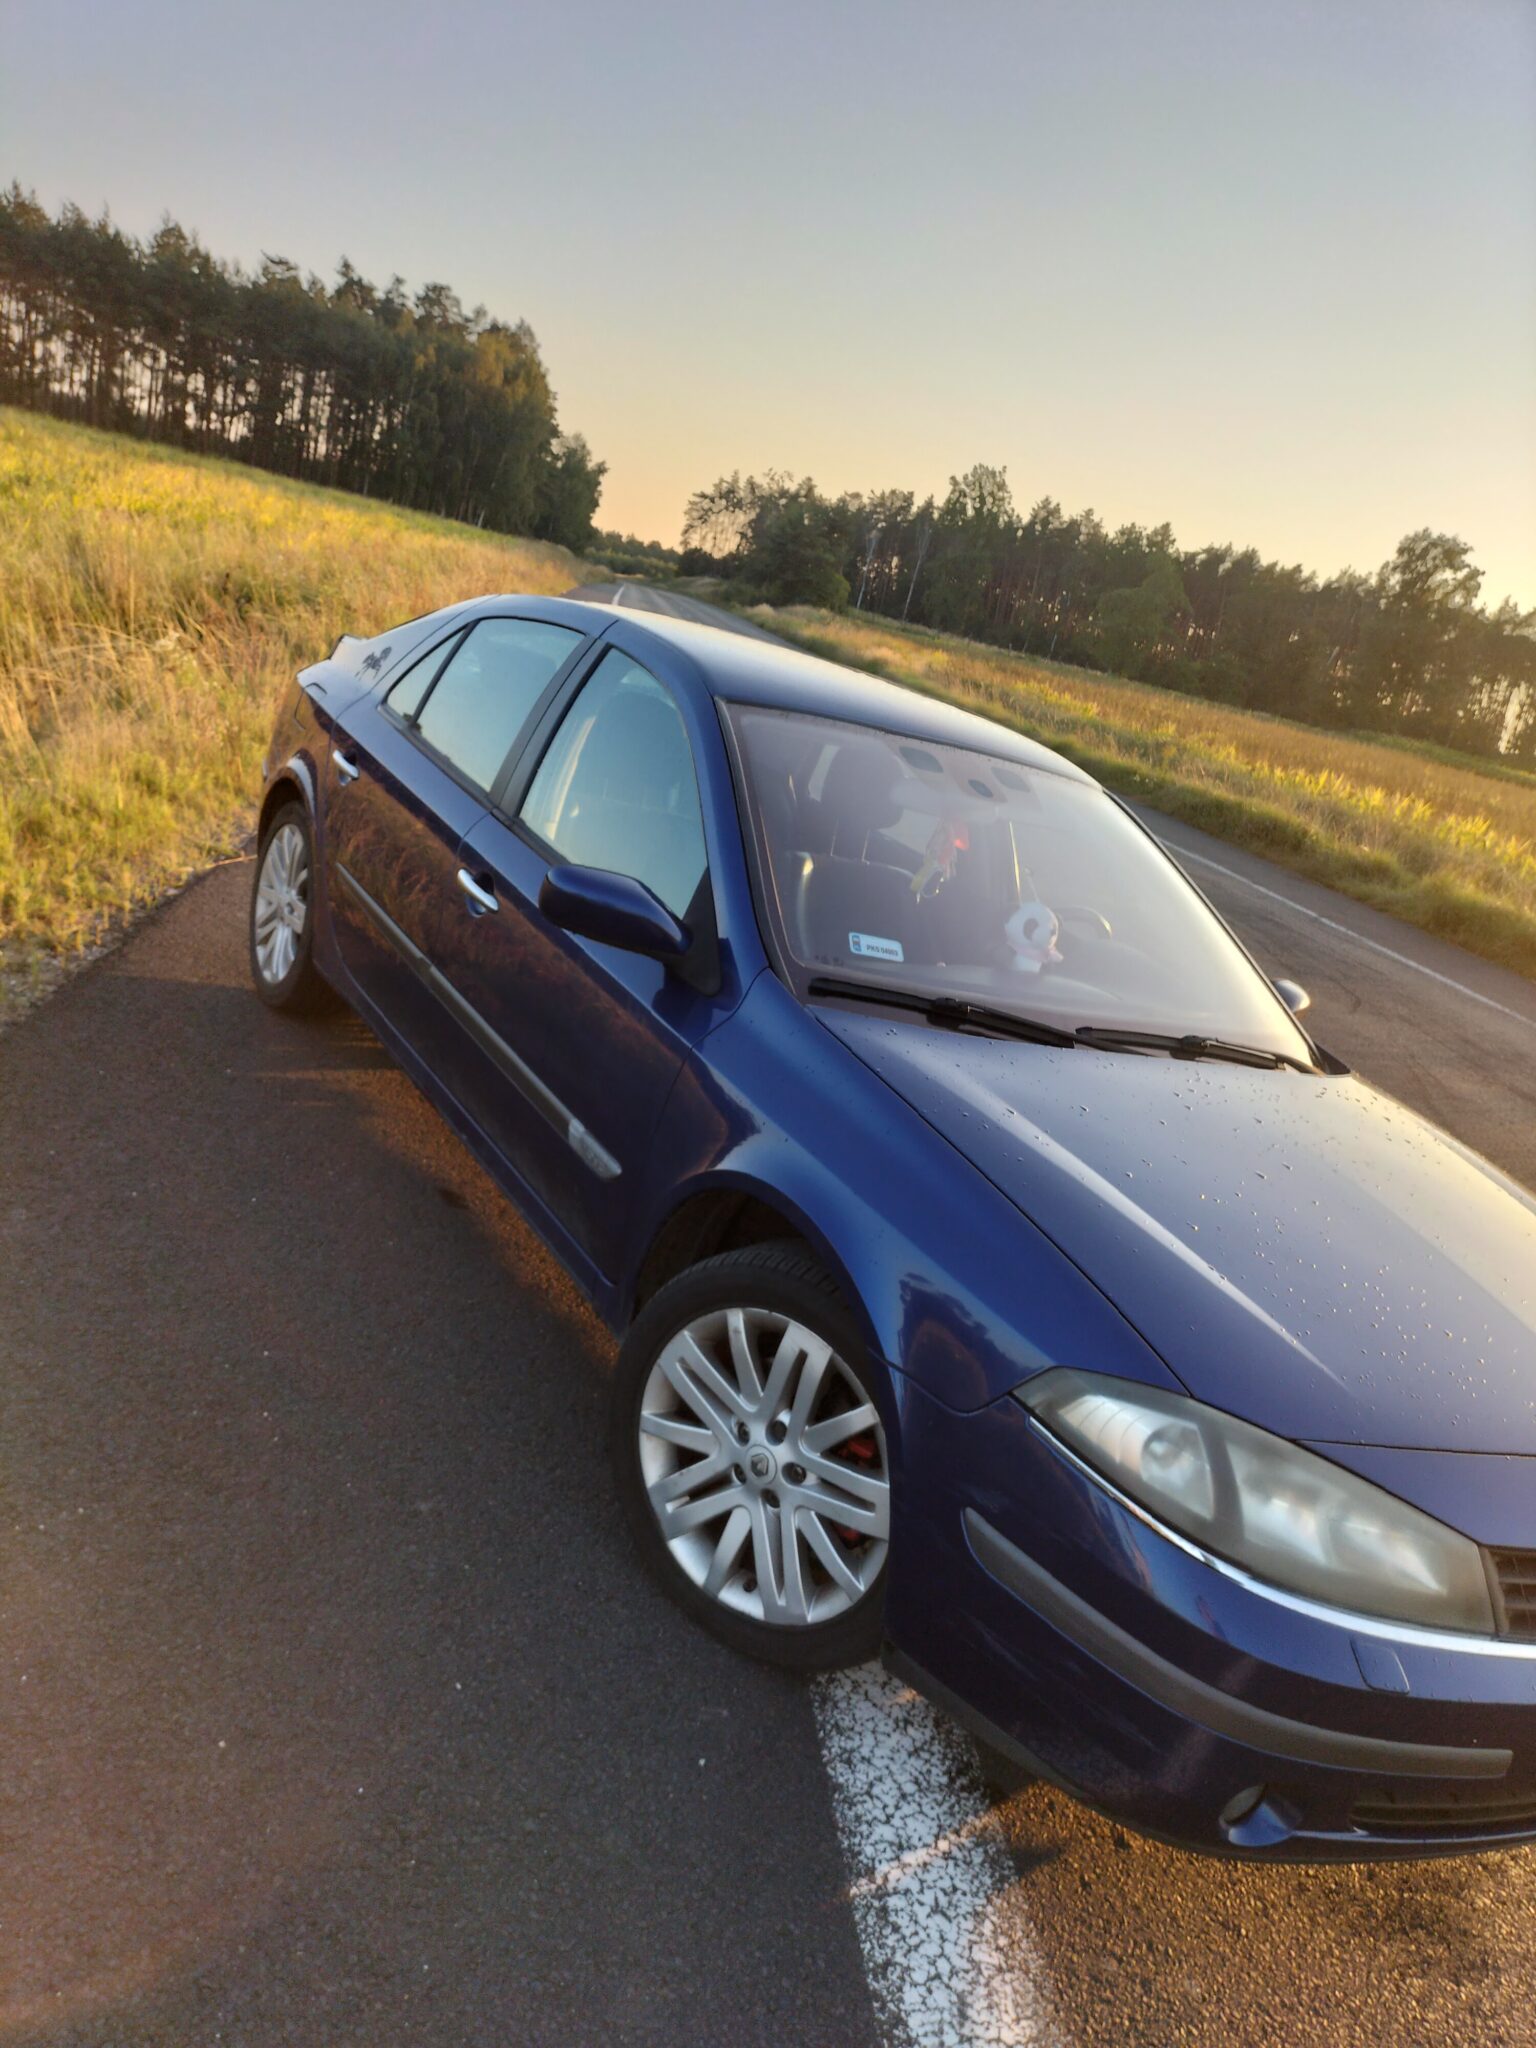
(1280,1512)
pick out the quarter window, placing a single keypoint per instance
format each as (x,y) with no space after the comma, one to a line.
(407,696)
(485,696)
(617,790)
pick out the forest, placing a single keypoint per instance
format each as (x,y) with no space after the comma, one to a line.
(409,398)
(1407,650)
(412,399)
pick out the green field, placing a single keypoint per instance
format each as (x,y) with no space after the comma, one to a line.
(1437,839)
(151,607)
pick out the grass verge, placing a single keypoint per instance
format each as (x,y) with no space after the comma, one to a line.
(151,606)
(1419,832)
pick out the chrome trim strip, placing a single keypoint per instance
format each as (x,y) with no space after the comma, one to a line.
(496,1049)
(1414,1634)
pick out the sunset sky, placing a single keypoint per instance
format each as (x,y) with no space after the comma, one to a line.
(1267,271)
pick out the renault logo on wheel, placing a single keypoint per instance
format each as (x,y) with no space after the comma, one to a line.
(760,1464)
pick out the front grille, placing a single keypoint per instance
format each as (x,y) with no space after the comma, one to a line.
(1514,1573)
(1474,1812)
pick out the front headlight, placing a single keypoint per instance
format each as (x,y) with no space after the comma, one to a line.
(1280,1512)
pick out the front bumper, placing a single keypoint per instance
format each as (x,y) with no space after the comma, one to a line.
(1192,1706)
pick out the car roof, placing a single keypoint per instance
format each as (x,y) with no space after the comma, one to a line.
(743,668)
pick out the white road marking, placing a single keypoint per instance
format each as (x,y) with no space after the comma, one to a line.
(618,593)
(946,1943)
(1402,959)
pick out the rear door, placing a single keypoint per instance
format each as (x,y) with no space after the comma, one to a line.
(592,1037)
(412,768)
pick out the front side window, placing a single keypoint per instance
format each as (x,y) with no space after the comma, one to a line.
(617,790)
(485,696)
(933,869)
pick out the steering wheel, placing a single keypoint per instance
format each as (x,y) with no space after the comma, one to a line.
(1084,913)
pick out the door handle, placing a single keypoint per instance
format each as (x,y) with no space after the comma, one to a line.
(480,899)
(347,770)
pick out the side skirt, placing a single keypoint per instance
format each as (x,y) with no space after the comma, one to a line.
(598,1289)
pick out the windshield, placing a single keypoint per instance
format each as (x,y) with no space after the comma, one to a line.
(924,867)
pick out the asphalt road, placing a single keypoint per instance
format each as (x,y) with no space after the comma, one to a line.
(673,604)
(334,1710)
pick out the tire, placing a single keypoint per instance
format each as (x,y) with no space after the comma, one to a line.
(282,917)
(1003,1778)
(748,1369)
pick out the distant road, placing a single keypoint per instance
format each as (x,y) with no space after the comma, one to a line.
(641,597)
(1439,1028)
(1444,1031)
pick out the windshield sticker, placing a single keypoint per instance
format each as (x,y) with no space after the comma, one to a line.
(868,948)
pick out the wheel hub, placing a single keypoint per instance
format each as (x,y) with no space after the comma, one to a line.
(281,903)
(765,1465)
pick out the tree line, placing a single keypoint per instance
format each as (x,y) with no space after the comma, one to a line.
(1406,650)
(370,389)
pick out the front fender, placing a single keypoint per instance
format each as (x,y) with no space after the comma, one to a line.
(951,1283)
(299,773)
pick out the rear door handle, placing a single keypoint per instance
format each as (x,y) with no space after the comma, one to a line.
(482,899)
(347,770)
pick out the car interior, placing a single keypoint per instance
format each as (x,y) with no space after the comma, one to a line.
(966,874)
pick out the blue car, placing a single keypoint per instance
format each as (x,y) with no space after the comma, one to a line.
(1006,1281)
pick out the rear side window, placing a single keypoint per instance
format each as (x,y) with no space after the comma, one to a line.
(485,695)
(405,699)
(617,790)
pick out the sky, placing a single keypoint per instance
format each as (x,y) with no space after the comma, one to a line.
(1264,270)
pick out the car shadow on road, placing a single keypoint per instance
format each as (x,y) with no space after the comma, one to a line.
(326,1635)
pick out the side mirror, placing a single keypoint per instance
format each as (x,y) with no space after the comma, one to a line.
(615,910)
(1294,996)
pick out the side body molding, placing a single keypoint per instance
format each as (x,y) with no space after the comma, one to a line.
(515,1070)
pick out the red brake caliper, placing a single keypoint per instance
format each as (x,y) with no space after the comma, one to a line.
(858,1450)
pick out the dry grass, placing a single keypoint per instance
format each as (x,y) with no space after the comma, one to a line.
(151,606)
(1412,831)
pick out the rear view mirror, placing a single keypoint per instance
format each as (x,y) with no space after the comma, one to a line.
(1294,996)
(615,910)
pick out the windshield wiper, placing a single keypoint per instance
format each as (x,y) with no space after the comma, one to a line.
(1191,1045)
(963,1014)
(952,1010)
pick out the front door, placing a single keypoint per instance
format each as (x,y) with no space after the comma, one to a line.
(595,1036)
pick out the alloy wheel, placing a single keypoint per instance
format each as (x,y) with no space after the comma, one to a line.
(765,1466)
(282,903)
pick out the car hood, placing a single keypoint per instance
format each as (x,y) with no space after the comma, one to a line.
(1300,1249)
